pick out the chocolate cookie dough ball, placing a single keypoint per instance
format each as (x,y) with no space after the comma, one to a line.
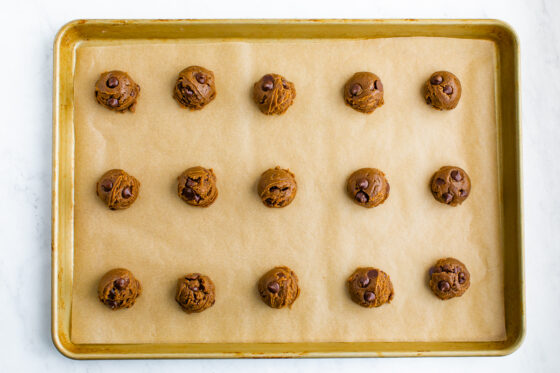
(197,186)
(117,91)
(273,94)
(442,90)
(118,189)
(118,289)
(278,287)
(195,293)
(450,185)
(368,187)
(195,87)
(449,278)
(370,287)
(277,187)
(364,92)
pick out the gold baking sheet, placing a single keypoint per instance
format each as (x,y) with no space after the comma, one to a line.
(322,235)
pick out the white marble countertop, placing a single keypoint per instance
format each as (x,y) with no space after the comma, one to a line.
(27,32)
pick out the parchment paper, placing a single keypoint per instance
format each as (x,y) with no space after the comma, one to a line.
(323,236)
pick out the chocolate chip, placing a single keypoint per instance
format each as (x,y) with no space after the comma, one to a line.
(189,91)
(112,304)
(273,188)
(112,294)
(369,296)
(440,181)
(193,288)
(267,83)
(112,82)
(190,182)
(285,85)
(377,85)
(273,287)
(113,102)
(269,201)
(462,277)
(436,79)
(444,286)
(447,197)
(448,89)
(463,193)
(188,193)
(363,281)
(200,78)
(361,197)
(456,175)
(107,185)
(121,283)
(372,273)
(428,100)
(127,192)
(432,271)
(362,183)
(355,89)
(193,276)
(196,198)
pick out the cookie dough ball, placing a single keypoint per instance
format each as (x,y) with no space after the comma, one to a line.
(278,287)
(449,278)
(277,187)
(273,94)
(118,189)
(117,91)
(364,92)
(442,90)
(368,187)
(197,186)
(195,87)
(370,287)
(118,289)
(451,185)
(195,293)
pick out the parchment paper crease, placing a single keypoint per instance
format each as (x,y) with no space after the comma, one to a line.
(322,235)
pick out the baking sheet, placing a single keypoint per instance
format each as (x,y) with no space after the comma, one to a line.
(322,235)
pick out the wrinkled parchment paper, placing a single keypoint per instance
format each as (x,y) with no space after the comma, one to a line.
(322,235)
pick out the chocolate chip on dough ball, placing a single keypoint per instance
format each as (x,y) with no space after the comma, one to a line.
(442,90)
(118,189)
(449,278)
(116,91)
(274,94)
(364,92)
(197,186)
(277,187)
(118,289)
(370,287)
(368,187)
(195,87)
(450,185)
(195,293)
(279,287)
